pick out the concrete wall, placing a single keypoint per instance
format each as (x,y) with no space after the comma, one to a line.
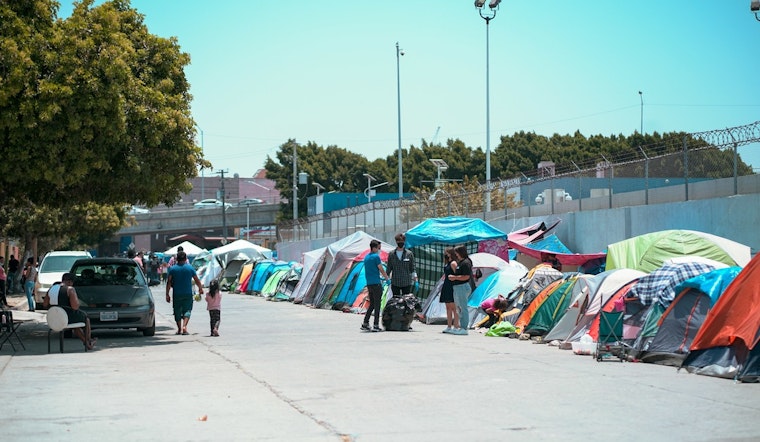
(591,224)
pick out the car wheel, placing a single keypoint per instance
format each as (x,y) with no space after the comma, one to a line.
(150,331)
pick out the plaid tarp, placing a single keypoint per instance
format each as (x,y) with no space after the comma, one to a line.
(660,285)
(429,262)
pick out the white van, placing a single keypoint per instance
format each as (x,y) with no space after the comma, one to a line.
(52,268)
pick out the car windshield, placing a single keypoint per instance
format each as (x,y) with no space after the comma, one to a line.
(58,263)
(118,273)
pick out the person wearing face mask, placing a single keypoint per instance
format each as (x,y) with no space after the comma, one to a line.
(401,268)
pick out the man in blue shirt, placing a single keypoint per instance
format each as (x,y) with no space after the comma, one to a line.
(181,277)
(373,269)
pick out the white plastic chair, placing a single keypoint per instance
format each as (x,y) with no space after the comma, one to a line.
(58,321)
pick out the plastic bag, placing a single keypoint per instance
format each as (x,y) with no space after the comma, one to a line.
(502,328)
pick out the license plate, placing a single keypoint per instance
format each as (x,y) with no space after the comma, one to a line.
(109,316)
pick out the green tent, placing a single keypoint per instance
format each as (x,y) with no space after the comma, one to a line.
(648,252)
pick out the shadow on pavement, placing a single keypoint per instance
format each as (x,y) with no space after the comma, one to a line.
(34,337)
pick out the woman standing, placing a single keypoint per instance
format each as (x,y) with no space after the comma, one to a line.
(462,290)
(447,290)
(30,272)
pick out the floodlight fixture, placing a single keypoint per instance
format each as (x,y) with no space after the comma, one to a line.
(439,163)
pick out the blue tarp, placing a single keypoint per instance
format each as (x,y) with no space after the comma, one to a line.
(451,230)
(713,284)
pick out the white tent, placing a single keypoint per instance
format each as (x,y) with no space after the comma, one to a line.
(188,247)
(328,265)
(233,250)
(221,256)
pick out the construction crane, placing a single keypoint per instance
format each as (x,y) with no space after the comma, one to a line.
(435,136)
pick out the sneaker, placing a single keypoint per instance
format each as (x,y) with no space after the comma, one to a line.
(458,331)
(447,330)
(365,327)
(376,329)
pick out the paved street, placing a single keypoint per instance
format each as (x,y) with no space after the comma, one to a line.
(286,372)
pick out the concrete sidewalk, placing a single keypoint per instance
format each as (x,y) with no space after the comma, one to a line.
(287,372)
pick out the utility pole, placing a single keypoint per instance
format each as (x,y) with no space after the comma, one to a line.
(295,183)
(224,208)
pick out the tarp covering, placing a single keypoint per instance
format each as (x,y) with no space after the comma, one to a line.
(660,285)
(531,233)
(552,245)
(648,252)
(451,230)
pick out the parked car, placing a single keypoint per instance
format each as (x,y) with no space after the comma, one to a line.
(250,202)
(114,293)
(132,210)
(52,267)
(204,204)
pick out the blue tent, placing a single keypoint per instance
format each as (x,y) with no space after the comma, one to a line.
(451,230)
(352,285)
(262,272)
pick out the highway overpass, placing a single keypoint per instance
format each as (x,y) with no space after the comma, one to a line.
(186,220)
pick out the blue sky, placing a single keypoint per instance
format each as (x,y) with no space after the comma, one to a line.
(263,72)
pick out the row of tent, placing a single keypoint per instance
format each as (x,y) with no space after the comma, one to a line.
(698,315)
(669,284)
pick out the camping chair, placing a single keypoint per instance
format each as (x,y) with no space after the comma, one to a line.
(8,330)
(610,342)
(58,321)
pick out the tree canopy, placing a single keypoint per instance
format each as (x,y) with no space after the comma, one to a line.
(338,169)
(93,110)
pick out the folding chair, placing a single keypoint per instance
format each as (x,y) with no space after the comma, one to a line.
(58,321)
(610,342)
(8,330)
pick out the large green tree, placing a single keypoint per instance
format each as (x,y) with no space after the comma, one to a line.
(95,109)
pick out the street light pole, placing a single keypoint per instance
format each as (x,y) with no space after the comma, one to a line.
(399,52)
(641,96)
(489,15)
(295,183)
(224,208)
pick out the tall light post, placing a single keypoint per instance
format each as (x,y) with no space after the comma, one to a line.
(488,14)
(641,96)
(370,178)
(295,183)
(399,53)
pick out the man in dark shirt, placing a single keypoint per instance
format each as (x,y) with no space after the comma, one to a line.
(13,265)
(401,268)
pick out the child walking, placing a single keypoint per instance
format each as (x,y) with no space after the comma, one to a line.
(214,306)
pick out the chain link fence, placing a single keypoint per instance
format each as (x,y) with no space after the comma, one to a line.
(700,166)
